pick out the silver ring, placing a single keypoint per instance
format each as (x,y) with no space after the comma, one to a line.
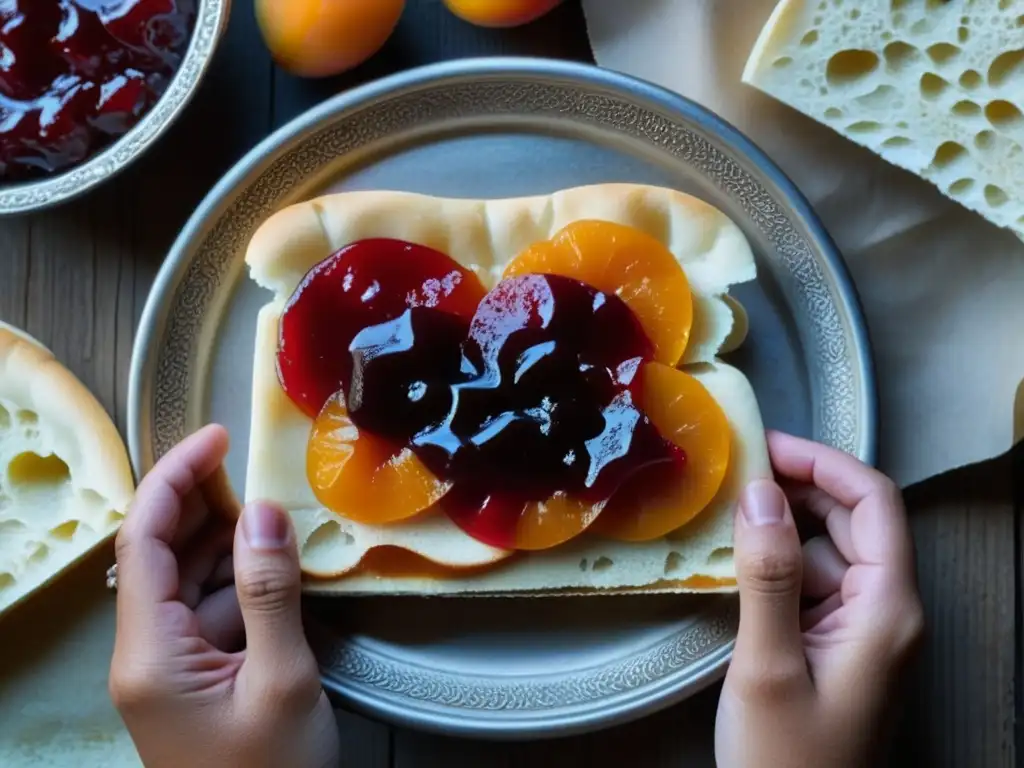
(112,578)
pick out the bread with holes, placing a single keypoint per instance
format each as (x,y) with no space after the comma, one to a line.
(936,88)
(484,236)
(66,481)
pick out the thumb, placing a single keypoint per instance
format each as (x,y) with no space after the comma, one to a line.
(268,580)
(769,567)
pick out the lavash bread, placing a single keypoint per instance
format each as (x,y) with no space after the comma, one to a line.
(65,478)
(484,236)
(936,88)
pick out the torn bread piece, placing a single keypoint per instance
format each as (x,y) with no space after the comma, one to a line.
(484,236)
(931,87)
(66,481)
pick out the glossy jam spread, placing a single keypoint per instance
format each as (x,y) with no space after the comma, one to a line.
(535,399)
(362,285)
(545,403)
(75,74)
(523,413)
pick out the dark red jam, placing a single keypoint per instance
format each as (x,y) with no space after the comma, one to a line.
(362,285)
(545,402)
(530,390)
(76,74)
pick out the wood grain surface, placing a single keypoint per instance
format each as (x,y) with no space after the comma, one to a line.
(77,278)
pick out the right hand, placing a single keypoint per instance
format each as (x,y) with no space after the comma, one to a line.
(808,687)
(211,666)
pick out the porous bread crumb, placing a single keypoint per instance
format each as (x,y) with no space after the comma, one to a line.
(936,88)
(65,479)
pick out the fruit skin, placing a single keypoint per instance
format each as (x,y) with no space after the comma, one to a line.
(500,13)
(317,38)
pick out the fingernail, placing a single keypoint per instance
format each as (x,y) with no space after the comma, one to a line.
(763,503)
(264,526)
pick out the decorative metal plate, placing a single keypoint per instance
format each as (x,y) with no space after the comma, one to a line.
(511,668)
(211,20)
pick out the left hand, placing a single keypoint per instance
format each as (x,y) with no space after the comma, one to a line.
(211,666)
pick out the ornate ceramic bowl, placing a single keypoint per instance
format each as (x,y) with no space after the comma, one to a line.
(23,197)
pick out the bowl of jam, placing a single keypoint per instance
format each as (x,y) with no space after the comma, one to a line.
(86,86)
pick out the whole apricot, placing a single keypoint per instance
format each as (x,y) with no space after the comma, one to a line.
(500,13)
(313,38)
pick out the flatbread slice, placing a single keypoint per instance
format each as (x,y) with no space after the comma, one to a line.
(485,236)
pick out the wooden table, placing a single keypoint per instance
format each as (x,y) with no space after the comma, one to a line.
(77,279)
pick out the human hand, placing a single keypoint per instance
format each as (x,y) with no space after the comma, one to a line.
(210,665)
(808,686)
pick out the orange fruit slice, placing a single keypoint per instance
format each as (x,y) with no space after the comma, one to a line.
(554,521)
(363,477)
(628,262)
(658,500)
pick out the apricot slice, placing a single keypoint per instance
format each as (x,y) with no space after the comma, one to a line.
(363,477)
(661,499)
(629,263)
(546,524)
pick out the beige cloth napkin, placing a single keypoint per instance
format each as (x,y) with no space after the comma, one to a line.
(54,655)
(943,290)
